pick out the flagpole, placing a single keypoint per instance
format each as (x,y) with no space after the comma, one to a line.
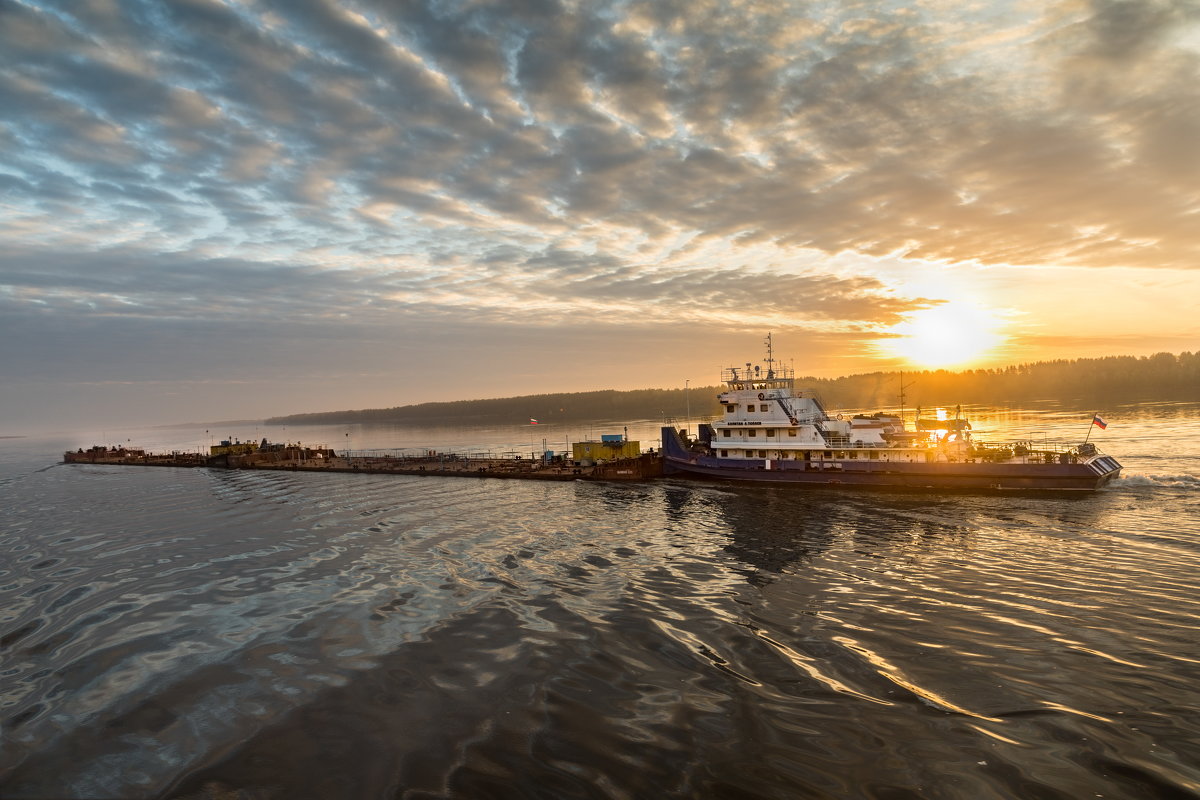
(1091,424)
(688,394)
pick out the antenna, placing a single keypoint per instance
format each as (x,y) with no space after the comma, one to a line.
(903,386)
(770,354)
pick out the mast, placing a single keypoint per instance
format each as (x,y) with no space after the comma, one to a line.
(903,386)
(770,359)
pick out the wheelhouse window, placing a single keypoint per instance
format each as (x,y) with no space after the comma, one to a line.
(791,432)
(732,407)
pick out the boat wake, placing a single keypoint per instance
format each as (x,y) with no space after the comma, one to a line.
(15,478)
(1173,481)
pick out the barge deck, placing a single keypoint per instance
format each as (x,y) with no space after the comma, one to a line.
(444,465)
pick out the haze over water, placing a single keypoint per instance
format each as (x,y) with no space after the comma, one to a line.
(183,633)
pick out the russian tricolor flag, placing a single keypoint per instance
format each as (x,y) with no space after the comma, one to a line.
(1099,420)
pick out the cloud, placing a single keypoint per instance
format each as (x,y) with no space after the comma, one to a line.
(866,133)
(125,282)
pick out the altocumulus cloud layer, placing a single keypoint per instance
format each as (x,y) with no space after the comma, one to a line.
(358,171)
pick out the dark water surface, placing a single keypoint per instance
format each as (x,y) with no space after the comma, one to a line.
(194,633)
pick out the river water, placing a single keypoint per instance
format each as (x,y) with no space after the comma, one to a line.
(193,634)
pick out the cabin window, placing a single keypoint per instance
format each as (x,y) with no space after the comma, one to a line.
(875,454)
(732,407)
(853,454)
(791,432)
(827,454)
(763,407)
(753,432)
(762,453)
(770,431)
(725,432)
(724,453)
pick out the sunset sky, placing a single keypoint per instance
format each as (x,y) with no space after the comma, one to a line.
(230,209)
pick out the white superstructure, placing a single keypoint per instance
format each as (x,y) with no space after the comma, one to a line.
(766,417)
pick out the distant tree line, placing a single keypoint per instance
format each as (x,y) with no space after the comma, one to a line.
(1162,376)
(607,404)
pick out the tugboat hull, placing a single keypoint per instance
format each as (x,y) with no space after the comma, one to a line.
(1082,475)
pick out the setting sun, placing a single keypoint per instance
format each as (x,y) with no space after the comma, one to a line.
(949,335)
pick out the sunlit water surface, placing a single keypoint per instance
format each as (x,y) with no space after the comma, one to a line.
(197,633)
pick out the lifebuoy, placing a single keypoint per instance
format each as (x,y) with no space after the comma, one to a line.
(762,396)
(839,416)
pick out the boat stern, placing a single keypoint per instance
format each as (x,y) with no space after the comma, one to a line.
(1105,468)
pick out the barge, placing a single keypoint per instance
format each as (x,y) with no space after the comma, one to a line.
(299,458)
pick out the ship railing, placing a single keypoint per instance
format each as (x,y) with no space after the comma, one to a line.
(1029,450)
(1029,445)
(838,440)
(748,378)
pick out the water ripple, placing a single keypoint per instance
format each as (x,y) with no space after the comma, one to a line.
(300,635)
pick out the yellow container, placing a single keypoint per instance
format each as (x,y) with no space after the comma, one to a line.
(604,451)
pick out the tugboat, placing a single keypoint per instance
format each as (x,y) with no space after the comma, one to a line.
(772,433)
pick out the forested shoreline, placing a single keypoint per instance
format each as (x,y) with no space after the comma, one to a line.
(1097,381)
